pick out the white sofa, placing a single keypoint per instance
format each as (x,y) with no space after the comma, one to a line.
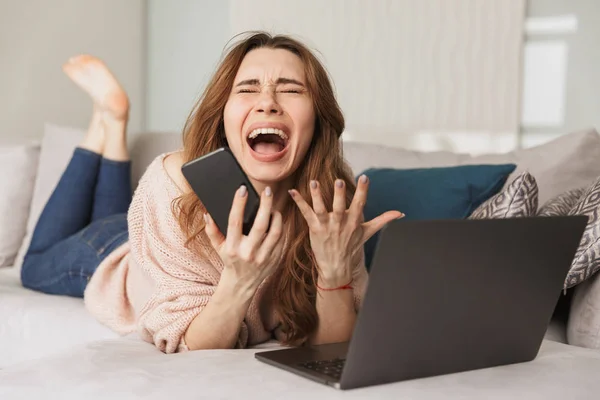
(51,348)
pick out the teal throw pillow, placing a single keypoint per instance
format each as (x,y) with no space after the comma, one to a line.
(431,193)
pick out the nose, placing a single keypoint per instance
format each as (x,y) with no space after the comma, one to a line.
(267,103)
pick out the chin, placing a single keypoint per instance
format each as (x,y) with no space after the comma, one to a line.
(268,174)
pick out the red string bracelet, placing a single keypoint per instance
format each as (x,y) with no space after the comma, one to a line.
(346,286)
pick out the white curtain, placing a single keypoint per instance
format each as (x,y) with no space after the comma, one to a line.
(405,67)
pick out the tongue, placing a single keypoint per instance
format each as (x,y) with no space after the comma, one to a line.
(267,148)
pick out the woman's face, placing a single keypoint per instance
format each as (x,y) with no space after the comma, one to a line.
(269,117)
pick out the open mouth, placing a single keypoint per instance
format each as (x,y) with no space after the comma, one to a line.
(267,141)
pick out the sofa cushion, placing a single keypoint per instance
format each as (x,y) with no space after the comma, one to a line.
(130,369)
(583,325)
(144,148)
(518,199)
(431,193)
(57,147)
(18,167)
(36,325)
(567,162)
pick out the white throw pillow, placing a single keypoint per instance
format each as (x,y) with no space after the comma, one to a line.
(56,151)
(18,167)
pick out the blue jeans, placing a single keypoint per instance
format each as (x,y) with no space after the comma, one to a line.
(84,220)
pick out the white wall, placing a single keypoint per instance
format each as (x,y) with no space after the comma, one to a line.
(37,36)
(403,67)
(186,38)
(185,41)
(569,98)
(400,66)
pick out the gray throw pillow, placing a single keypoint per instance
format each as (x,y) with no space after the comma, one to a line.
(518,199)
(587,257)
(562,204)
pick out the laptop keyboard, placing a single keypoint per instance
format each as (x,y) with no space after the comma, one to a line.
(332,368)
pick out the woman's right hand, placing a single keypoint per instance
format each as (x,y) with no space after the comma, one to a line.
(249,259)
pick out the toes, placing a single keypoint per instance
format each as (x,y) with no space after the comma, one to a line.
(93,76)
(73,65)
(77,59)
(82,58)
(85,60)
(73,71)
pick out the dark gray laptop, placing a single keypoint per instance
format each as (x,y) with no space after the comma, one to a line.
(445,297)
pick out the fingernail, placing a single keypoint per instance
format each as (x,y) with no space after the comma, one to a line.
(339,183)
(268,191)
(364,179)
(313,184)
(206,218)
(291,192)
(243,191)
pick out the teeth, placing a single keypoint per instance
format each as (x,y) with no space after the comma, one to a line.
(270,131)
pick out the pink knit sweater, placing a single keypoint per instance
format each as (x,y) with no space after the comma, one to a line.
(155,285)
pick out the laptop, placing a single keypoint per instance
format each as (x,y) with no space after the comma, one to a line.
(447,296)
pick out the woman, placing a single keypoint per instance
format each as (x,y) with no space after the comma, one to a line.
(169,273)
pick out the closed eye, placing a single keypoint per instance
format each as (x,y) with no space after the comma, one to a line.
(248,91)
(297,91)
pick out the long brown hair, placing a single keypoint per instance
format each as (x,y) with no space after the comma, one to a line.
(204,132)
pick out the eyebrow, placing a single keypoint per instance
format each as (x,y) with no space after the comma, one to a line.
(280,81)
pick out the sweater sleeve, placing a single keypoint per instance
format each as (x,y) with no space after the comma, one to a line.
(184,278)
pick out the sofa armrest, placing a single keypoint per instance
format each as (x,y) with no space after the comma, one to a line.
(583,326)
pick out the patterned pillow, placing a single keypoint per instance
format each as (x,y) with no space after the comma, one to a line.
(561,204)
(518,199)
(587,256)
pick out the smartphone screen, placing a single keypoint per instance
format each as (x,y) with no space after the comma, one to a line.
(215,178)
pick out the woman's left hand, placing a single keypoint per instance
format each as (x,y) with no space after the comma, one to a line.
(337,237)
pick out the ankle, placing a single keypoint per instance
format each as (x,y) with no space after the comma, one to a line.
(92,146)
(114,126)
(94,138)
(116,154)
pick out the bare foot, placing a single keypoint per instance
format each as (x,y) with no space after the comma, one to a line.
(92,75)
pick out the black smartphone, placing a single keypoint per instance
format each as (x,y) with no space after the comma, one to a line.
(215,178)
